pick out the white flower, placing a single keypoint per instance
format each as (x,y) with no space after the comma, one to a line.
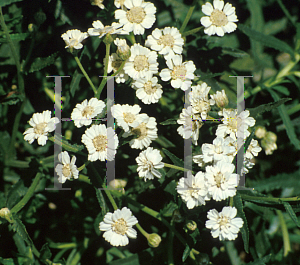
(114,63)
(219,20)
(180,73)
(253,149)
(199,100)
(118,227)
(127,116)
(73,38)
(83,113)
(148,160)
(100,30)
(269,142)
(220,98)
(165,41)
(148,90)
(235,125)
(222,149)
(193,190)
(100,142)
(145,132)
(42,124)
(221,181)
(191,125)
(138,17)
(123,48)
(141,61)
(98,3)
(67,169)
(224,224)
(119,3)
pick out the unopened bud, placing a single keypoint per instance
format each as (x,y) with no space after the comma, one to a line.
(118,184)
(269,143)
(123,49)
(5,213)
(31,27)
(154,240)
(260,132)
(221,99)
(191,225)
(108,39)
(40,17)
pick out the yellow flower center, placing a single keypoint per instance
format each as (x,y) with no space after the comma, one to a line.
(167,40)
(234,123)
(149,89)
(66,170)
(219,179)
(88,111)
(128,117)
(100,143)
(218,18)
(140,131)
(140,62)
(136,14)
(179,72)
(223,221)
(40,128)
(120,226)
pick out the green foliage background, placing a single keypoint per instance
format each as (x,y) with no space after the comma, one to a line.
(62,226)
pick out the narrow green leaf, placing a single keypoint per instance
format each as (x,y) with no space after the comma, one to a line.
(286,12)
(16,261)
(40,63)
(291,212)
(254,112)
(20,228)
(238,203)
(174,158)
(15,37)
(234,52)
(267,40)
(186,253)
(101,201)
(16,192)
(75,82)
(168,210)
(287,121)
(282,89)
(45,252)
(261,261)
(8,2)
(169,121)
(132,260)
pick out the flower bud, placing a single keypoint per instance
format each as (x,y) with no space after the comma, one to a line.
(154,240)
(221,99)
(40,17)
(260,132)
(108,39)
(5,213)
(118,184)
(191,225)
(123,49)
(269,143)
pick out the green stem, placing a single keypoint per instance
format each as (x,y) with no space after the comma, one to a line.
(28,195)
(65,145)
(280,76)
(85,74)
(110,197)
(188,16)
(14,54)
(83,166)
(175,167)
(170,247)
(120,69)
(285,234)
(144,233)
(191,32)
(104,79)
(270,199)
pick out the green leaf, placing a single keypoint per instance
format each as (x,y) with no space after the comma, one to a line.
(282,89)
(20,228)
(15,193)
(45,252)
(238,203)
(11,261)
(175,159)
(40,63)
(267,40)
(75,82)
(132,260)
(287,122)
(234,52)
(291,212)
(101,201)
(15,37)
(186,253)
(168,210)
(254,112)
(261,261)
(169,121)
(8,2)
